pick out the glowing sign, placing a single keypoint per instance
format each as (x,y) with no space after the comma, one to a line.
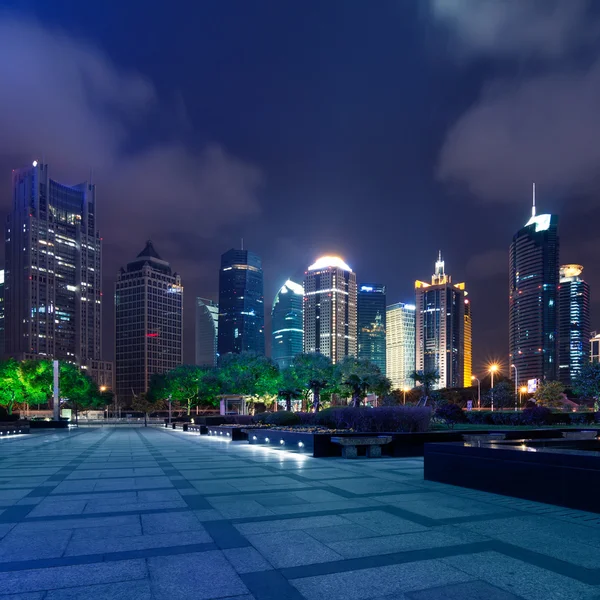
(541,222)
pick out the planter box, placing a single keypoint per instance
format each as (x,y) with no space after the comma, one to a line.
(235,433)
(49,424)
(199,429)
(14,427)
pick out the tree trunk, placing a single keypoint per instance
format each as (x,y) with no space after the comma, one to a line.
(288,404)
(189,407)
(145,419)
(316,400)
(355,400)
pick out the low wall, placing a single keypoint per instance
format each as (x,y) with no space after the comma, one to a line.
(14,427)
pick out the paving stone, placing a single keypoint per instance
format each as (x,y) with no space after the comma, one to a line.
(291,524)
(170,523)
(383,523)
(472,590)
(126,590)
(33,546)
(246,560)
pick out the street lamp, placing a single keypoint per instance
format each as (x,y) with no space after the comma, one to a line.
(493,369)
(473,378)
(522,390)
(516,386)
(406,389)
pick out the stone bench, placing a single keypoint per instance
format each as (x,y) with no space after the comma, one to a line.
(350,445)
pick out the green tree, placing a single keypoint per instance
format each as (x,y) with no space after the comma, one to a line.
(143,403)
(12,387)
(159,387)
(315,372)
(182,383)
(503,393)
(209,386)
(427,379)
(249,374)
(550,393)
(358,376)
(289,386)
(587,382)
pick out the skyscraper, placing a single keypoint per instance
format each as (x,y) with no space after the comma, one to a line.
(533,298)
(400,344)
(287,323)
(1,314)
(207,328)
(148,318)
(241,303)
(53,276)
(468,360)
(330,320)
(573,323)
(371,324)
(441,337)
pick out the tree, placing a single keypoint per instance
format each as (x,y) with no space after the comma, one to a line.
(182,383)
(249,374)
(427,379)
(12,388)
(315,372)
(587,382)
(143,403)
(358,375)
(550,393)
(503,394)
(209,386)
(289,387)
(159,387)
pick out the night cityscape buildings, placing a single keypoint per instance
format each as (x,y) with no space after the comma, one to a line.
(207,329)
(533,299)
(400,344)
(1,313)
(53,277)
(330,311)
(149,322)
(287,323)
(372,324)
(573,323)
(241,303)
(441,335)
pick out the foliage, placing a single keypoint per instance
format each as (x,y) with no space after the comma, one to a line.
(427,379)
(182,383)
(282,417)
(451,414)
(289,387)
(315,372)
(358,375)
(248,374)
(538,415)
(502,393)
(209,386)
(587,383)
(550,393)
(143,403)
(158,387)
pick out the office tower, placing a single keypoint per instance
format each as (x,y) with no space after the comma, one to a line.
(468,354)
(287,323)
(533,298)
(207,328)
(241,303)
(330,320)
(148,318)
(400,344)
(441,337)
(573,323)
(53,270)
(1,313)
(371,324)
(594,347)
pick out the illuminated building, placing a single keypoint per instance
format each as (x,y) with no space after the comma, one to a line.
(371,324)
(595,347)
(468,352)
(53,277)
(287,323)
(400,344)
(148,319)
(330,324)
(533,298)
(441,335)
(241,303)
(207,329)
(1,313)
(573,323)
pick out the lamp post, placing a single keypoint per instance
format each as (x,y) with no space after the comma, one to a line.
(473,378)
(522,390)
(493,369)
(516,386)
(404,390)
(169,400)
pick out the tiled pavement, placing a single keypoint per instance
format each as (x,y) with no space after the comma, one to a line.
(141,513)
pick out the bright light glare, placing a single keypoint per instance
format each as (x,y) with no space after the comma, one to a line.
(34,163)
(493,368)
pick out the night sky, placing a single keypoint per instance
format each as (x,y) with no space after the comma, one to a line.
(380,131)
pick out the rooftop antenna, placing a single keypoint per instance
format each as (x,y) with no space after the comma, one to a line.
(533,207)
(242,243)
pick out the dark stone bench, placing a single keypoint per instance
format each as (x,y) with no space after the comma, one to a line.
(373,445)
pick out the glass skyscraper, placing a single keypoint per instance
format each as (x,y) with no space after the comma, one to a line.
(207,328)
(149,322)
(53,277)
(287,323)
(241,303)
(371,323)
(443,334)
(533,299)
(400,344)
(573,323)
(330,323)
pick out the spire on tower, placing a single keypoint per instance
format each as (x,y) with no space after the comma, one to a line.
(533,207)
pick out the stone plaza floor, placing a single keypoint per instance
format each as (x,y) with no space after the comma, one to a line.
(145,513)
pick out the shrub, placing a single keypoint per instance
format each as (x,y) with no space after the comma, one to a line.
(282,418)
(5,417)
(327,417)
(582,418)
(451,414)
(242,419)
(377,420)
(538,415)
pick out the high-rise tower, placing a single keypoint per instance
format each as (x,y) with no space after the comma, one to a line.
(400,344)
(533,298)
(241,303)
(573,323)
(207,330)
(372,324)
(149,322)
(330,323)
(287,323)
(53,277)
(441,336)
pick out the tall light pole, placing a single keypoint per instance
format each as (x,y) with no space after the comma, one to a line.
(522,390)
(405,390)
(473,378)
(516,387)
(493,369)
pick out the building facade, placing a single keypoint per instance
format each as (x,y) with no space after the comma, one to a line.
(207,331)
(468,345)
(148,321)
(400,344)
(330,311)
(287,323)
(573,323)
(53,278)
(241,303)
(533,299)
(595,347)
(441,336)
(372,324)
(1,314)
